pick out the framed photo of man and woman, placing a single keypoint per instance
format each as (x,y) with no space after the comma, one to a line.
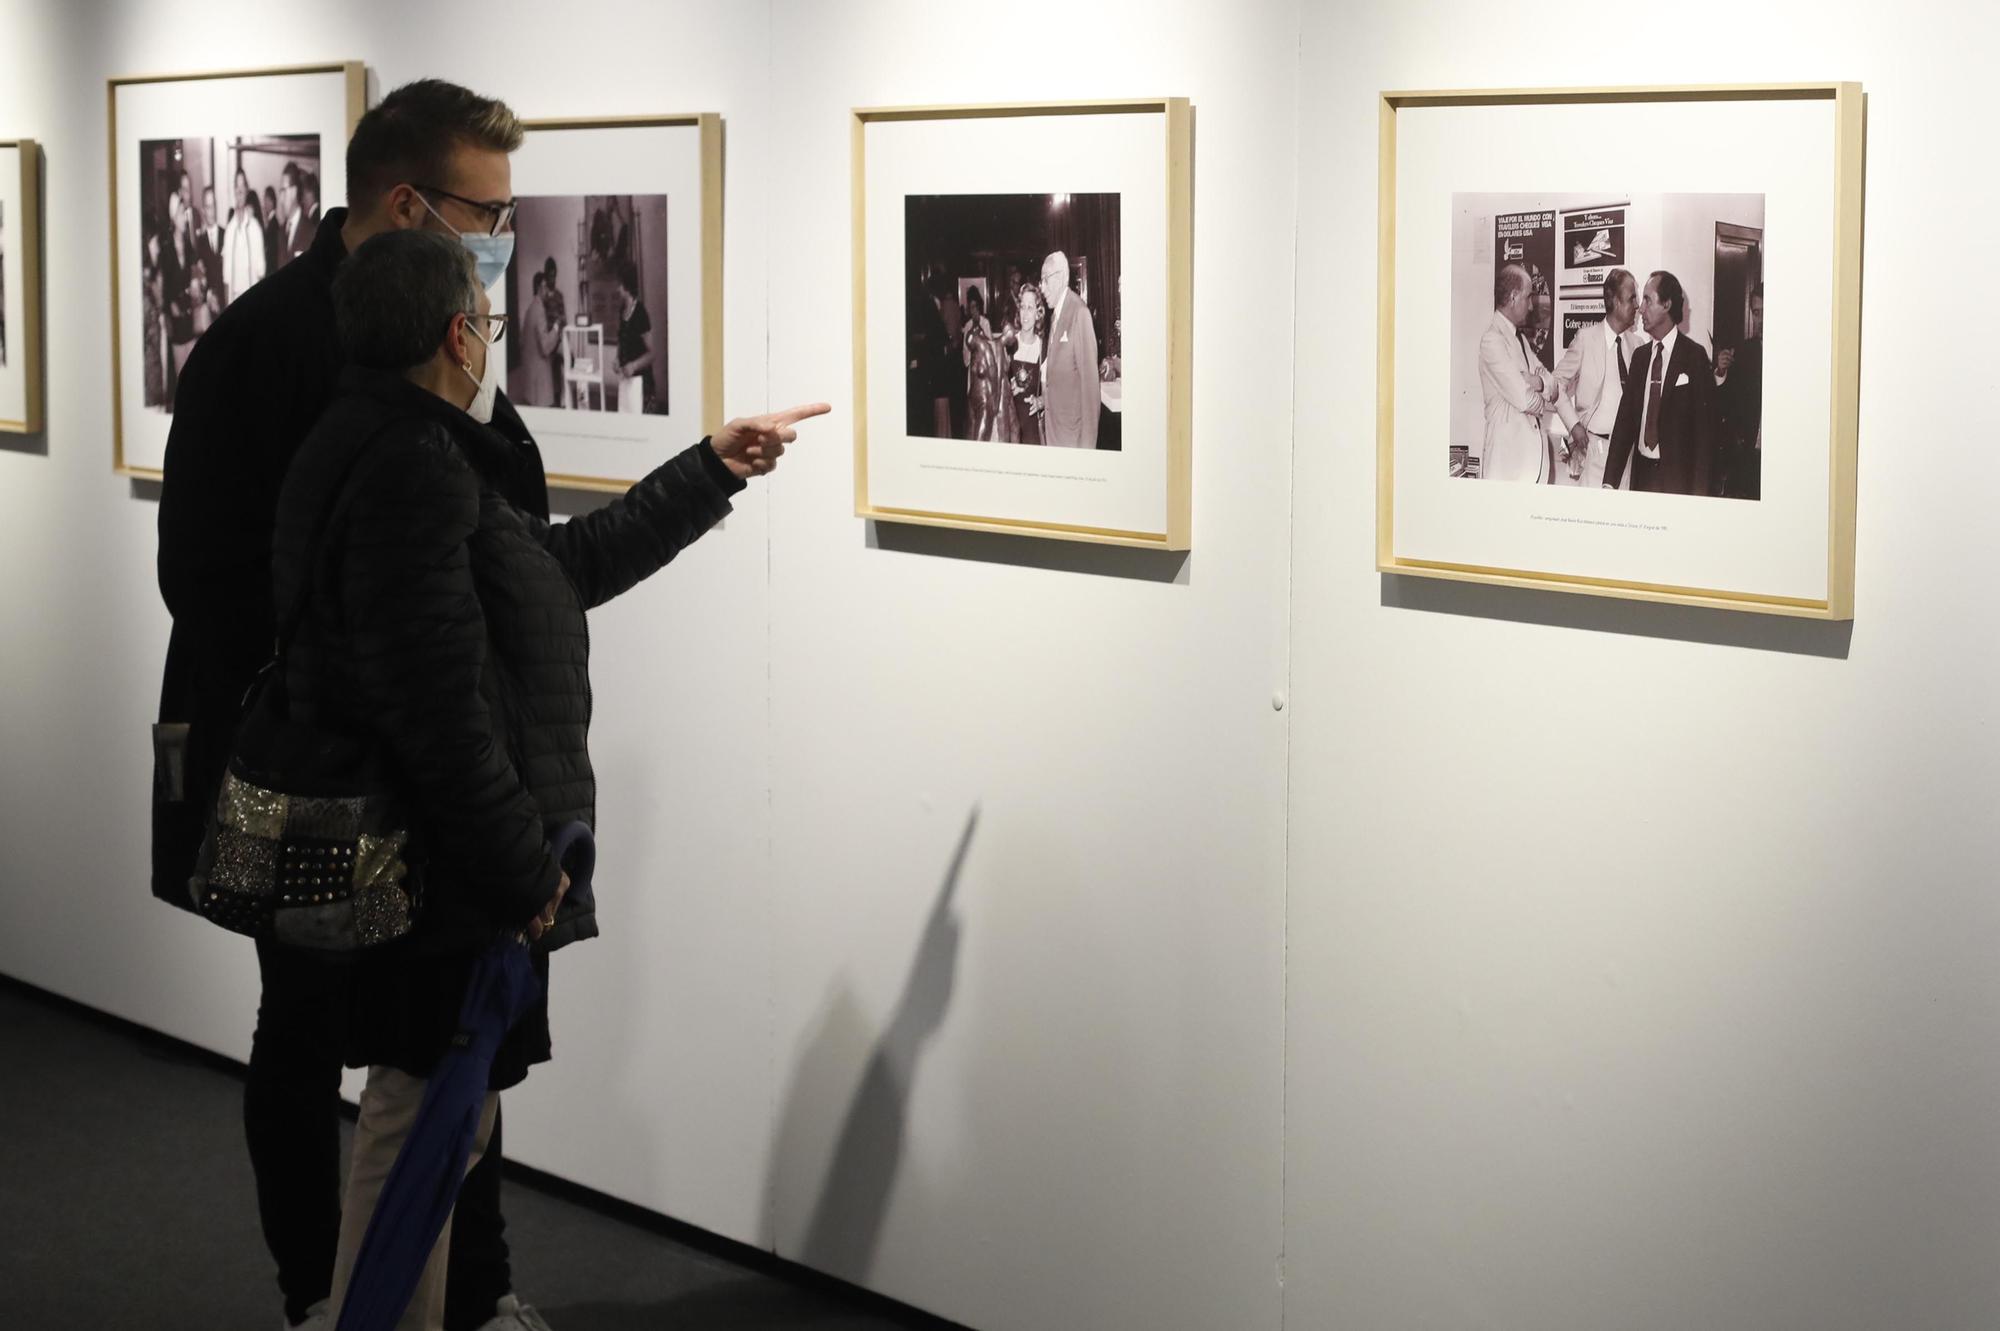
(1021,319)
(216,180)
(20,287)
(1576,388)
(614,292)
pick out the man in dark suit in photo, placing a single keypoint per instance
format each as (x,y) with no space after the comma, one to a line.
(306,221)
(1070,394)
(1666,419)
(208,239)
(1739,391)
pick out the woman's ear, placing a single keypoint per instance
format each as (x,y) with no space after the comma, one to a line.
(456,341)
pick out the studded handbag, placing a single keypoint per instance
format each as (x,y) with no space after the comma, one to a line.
(308,843)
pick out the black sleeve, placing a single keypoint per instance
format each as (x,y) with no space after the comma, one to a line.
(610,551)
(1707,426)
(418,641)
(222,471)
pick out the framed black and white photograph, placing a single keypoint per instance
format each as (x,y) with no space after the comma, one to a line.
(1620,342)
(1553,347)
(20,287)
(614,292)
(217,214)
(217,180)
(1013,324)
(1021,322)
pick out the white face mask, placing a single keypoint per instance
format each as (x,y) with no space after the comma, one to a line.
(481,407)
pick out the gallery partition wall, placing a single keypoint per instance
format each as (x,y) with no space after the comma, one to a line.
(1217,931)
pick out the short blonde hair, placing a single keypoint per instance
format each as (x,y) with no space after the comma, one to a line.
(409,138)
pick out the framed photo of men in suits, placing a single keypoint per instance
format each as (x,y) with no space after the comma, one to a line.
(20,287)
(1021,319)
(1576,388)
(217,180)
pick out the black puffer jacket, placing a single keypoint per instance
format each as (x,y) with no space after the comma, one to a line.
(450,624)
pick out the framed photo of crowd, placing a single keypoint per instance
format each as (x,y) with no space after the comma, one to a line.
(216,180)
(1022,319)
(20,287)
(614,347)
(1578,388)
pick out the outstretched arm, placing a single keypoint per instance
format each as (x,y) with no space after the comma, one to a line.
(612,550)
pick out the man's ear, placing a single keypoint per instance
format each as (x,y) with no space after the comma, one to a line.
(403,208)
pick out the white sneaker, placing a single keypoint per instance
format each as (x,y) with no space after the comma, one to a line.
(318,1318)
(510,1314)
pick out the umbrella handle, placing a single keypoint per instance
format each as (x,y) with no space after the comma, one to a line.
(575,849)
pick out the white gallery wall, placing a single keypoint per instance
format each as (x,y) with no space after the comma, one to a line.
(654,1104)
(1091,1136)
(1061,937)
(1047,1096)
(1640,961)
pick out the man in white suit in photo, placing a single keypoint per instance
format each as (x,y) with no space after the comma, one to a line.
(1513,386)
(1590,380)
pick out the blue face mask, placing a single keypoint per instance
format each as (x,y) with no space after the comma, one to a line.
(491,254)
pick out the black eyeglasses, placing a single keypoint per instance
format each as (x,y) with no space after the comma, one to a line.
(502,214)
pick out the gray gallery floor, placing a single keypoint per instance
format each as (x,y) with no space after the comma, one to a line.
(127,1204)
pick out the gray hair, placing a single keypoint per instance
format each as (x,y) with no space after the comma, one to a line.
(1057,262)
(395,297)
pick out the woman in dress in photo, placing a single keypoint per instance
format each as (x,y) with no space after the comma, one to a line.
(635,343)
(154,339)
(1024,369)
(204,304)
(984,386)
(243,243)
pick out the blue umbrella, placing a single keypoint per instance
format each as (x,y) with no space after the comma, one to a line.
(422,1187)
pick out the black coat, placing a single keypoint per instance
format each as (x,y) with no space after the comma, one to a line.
(447,624)
(254,384)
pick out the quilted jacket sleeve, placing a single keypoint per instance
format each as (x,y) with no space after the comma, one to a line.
(610,551)
(417,639)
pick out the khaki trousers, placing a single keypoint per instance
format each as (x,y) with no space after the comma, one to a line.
(389,1105)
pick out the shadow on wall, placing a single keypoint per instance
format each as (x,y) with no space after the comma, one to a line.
(1605,614)
(995,547)
(846,1218)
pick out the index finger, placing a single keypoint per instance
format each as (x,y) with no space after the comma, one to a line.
(793,415)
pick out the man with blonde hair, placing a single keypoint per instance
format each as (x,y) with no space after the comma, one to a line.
(1590,378)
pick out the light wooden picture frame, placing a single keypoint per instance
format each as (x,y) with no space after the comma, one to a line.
(937,189)
(270,113)
(595,193)
(21,383)
(1445,156)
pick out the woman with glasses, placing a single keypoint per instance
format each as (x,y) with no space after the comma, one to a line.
(444,626)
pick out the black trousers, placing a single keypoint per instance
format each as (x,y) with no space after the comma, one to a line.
(291,1119)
